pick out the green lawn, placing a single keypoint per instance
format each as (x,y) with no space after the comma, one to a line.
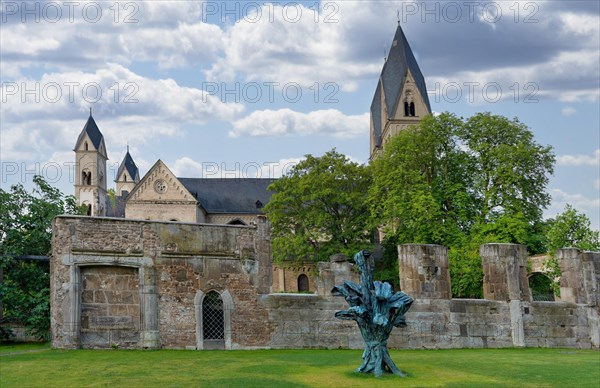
(296,368)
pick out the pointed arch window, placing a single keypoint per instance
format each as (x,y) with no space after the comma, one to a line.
(86,146)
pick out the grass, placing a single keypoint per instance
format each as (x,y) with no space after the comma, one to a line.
(20,347)
(296,368)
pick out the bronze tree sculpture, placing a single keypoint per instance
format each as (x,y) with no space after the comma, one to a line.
(377,310)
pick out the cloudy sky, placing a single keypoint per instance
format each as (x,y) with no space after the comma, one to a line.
(223,89)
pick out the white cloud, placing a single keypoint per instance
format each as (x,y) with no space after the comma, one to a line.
(170,33)
(277,46)
(35,124)
(288,122)
(568,111)
(579,201)
(579,160)
(589,206)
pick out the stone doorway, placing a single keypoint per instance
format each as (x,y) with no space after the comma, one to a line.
(213,319)
(213,323)
(110,307)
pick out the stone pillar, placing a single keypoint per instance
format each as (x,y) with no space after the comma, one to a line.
(580,283)
(505,279)
(505,272)
(424,271)
(580,276)
(334,272)
(149,304)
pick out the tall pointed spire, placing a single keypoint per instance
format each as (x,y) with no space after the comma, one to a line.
(401,94)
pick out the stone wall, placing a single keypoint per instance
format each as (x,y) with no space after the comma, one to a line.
(144,284)
(435,321)
(141,284)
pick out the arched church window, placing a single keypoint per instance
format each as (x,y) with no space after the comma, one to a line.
(409,105)
(213,324)
(86,146)
(124,177)
(89,210)
(86,177)
(302,283)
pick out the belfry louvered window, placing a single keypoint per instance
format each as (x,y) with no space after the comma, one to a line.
(212,317)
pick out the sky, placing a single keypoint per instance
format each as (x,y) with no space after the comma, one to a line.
(221,89)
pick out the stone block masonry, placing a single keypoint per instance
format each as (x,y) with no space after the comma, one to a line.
(142,284)
(146,284)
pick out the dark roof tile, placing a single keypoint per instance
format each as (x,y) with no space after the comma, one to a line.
(229,195)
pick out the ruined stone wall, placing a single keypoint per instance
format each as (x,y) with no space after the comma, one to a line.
(435,321)
(117,282)
(143,284)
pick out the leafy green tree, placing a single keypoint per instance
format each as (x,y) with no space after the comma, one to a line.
(569,229)
(26,229)
(572,229)
(462,183)
(320,208)
(510,175)
(420,184)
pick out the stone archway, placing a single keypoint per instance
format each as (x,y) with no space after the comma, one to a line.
(541,287)
(213,319)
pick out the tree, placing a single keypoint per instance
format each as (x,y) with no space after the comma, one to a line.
(462,183)
(510,175)
(319,209)
(420,184)
(572,229)
(26,229)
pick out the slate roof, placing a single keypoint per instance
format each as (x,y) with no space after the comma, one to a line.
(229,195)
(376,115)
(393,76)
(93,133)
(129,165)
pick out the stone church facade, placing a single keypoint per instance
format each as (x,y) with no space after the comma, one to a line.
(160,195)
(175,262)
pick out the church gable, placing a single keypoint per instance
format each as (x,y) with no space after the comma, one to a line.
(411,103)
(160,185)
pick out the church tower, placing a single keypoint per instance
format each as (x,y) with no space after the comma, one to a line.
(128,175)
(90,169)
(401,95)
